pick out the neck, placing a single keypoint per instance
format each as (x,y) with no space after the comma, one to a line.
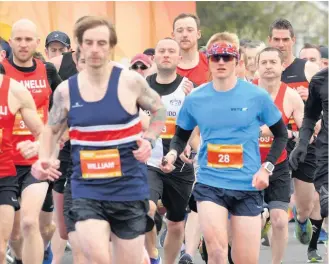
(223,85)
(270,85)
(289,60)
(190,55)
(97,75)
(25,64)
(164,77)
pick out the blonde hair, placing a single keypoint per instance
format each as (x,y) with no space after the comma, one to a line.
(224,37)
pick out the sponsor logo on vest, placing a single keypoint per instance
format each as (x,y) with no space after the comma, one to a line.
(3,110)
(34,84)
(175,102)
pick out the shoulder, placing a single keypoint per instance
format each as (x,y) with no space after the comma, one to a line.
(50,67)
(293,95)
(19,91)
(62,89)
(132,78)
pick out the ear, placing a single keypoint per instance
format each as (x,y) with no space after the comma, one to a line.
(38,41)
(173,35)
(293,39)
(268,39)
(199,33)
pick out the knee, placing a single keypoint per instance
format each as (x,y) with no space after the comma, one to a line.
(29,224)
(152,209)
(175,227)
(48,228)
(279,221)
(216,248)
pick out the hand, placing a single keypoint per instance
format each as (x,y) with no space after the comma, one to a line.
(28,149)
(167,164)
(143,153)
(187,86)
(297,155)
(303,92)
(186,154)
(46,170)
(261,179)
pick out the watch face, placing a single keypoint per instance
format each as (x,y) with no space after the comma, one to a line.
(270,166)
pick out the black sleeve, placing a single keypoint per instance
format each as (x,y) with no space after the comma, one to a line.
(312,111)
(2,69)
(180,139)
(53,78)
(280,133)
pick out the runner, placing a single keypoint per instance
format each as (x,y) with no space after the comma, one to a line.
(174,190)
(117,171)
(324,56)
(297,75)
(317,102)
(40,79)
(57,42)
(277,195)
(223,154)
(311,53)
(14,99)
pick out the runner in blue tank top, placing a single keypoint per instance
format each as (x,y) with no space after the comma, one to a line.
(109,176)
(229,113)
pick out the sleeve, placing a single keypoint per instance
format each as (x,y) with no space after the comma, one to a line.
(313,105)
(53,78)
(185,120)
(269,114)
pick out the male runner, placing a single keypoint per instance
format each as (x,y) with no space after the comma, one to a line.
(14,98)
(316,103)
(109,152)
(231,177)
(277,195)
(311,53)
(186,31)
(324,56)
(40,79)
(173,189)
(251,50)
(297,75)
(57,42)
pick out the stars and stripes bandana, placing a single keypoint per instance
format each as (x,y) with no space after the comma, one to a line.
(222,49)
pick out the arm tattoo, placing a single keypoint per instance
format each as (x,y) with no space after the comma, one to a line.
(57,114)
(151,101)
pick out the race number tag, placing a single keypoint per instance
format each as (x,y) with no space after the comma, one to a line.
(100,164)
(225,156)
(20,129)
(265,142)
(169,129)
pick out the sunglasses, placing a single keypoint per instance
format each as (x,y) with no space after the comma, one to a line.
(139,66)
(218,57)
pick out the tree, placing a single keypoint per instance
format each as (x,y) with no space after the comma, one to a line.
(251,20)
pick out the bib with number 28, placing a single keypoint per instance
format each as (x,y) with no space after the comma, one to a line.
(100,164)
(225,156)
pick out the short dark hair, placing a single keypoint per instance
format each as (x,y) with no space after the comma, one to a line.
(90,22)
(280,54)
(311,46)
(244,42)
(281,23)
(186,15)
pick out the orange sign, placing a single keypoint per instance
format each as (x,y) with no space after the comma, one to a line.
(99,164)
(225,156)
(265,142)
(169,129)
(20,127)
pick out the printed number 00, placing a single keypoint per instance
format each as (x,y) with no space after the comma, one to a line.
(224,158)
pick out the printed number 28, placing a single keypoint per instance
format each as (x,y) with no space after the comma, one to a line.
(223,158)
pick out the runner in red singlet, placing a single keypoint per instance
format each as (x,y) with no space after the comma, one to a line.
(277,195)
(14,99)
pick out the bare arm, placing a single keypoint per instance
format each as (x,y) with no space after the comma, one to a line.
(150,100)
(298,107)
(57,122)
(145,119)
(26,106)
(194,140)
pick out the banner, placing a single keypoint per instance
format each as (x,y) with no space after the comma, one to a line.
(139,25)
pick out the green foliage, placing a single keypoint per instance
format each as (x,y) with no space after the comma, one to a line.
(251,20)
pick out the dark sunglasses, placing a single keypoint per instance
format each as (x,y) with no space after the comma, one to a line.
(139,66)
(225,57)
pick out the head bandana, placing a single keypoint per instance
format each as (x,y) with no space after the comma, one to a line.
(222,49)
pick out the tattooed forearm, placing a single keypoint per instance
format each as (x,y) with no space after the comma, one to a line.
(57,114)
(150,100)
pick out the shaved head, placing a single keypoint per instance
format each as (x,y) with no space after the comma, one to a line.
(24,24)
(24,42)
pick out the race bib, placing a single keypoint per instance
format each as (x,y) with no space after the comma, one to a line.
(99,164)
(20,128)
(225,156)
(265,142)
(169,129)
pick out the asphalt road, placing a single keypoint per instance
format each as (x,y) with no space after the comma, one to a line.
(295,253)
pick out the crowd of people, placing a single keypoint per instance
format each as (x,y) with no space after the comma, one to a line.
(212,146)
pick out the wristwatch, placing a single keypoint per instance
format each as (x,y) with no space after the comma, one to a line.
(152,142)
(294,135)
(269,167)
